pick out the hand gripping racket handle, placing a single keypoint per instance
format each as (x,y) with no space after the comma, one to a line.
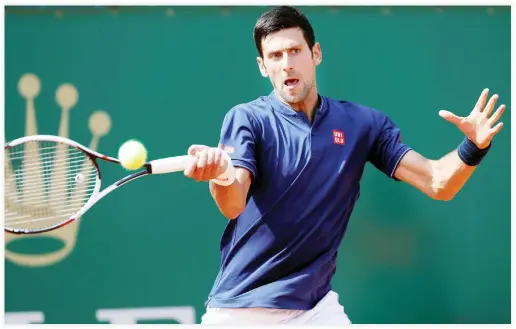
(169,165)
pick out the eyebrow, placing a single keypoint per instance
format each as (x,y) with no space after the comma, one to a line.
(285,48)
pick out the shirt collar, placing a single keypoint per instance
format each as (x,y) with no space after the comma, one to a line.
(278,105)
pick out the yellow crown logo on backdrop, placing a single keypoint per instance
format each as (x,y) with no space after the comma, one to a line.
(67,97)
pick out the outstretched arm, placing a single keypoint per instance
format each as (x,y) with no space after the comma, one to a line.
(442,179)
(439,179)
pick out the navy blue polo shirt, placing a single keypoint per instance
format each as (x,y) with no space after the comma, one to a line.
(281,251)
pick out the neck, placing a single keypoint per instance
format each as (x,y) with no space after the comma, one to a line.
(307,105)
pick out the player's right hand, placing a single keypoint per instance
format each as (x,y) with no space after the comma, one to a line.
(210,163)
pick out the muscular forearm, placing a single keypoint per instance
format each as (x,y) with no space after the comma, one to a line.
(231,200)
(449,174)
(440,179)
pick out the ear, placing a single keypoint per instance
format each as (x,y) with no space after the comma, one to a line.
(261,66)
(317,54)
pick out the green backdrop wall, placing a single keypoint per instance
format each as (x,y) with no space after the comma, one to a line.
(149,252)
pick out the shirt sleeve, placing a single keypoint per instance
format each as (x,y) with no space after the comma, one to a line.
(238,139)
(388,149)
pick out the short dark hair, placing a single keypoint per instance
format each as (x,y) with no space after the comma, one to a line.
(279,18)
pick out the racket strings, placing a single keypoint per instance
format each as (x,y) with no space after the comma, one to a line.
(38,198)
(46,182)
(18,152)
(42,214)
(33,172)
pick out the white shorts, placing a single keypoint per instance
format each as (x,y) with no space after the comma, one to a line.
(327,311)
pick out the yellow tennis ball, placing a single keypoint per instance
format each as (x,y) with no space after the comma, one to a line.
(132,155)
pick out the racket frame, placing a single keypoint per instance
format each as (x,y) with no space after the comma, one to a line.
(97,194)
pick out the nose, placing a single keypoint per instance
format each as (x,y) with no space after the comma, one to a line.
(287,63)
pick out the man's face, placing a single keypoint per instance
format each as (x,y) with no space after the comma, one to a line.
(289,63)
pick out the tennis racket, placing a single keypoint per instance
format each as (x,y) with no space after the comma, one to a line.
(50,181)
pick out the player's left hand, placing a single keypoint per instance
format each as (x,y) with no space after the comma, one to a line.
(478,126)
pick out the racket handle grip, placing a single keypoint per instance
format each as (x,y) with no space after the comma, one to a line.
(169,165)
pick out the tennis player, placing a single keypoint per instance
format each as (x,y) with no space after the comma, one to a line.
(287,174)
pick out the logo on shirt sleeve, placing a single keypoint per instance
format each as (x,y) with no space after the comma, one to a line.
(338,137)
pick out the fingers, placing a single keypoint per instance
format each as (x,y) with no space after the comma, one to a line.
(496,129)
(218,157)
(210,163)
(490,105)
(201,165)
(481,100)
(450,117)
(196,148)
(219,164)
(210,159)
(497,115)
(190,169)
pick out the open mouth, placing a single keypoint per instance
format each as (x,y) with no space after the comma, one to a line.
(291,82)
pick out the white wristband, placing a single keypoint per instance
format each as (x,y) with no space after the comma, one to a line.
(228,177)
